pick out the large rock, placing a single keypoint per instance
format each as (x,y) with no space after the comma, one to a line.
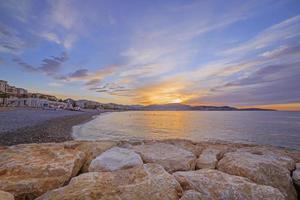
(149,182)
(114,159)
(216,185)
(28,171)
(185,144)
(171,157)
(192,195)
(6,196)
(92,149)
(296,180)
(262,167)
(208,158)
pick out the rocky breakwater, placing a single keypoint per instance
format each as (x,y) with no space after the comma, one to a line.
(154,170)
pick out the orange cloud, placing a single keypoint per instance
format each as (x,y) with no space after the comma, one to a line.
(170,91)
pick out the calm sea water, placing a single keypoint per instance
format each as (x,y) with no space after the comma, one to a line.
(273,128)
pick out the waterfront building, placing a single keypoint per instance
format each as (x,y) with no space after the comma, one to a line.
(3,86)
(21,92)
(11,90)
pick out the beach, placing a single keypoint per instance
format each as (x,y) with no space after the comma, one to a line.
(30,125)
(40,160)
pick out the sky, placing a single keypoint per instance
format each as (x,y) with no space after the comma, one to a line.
(238,53)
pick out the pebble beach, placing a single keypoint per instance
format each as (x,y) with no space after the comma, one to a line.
(30,125)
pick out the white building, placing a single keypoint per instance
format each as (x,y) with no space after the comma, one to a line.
(3,86)
(28,102)
(35,103)
(21,92)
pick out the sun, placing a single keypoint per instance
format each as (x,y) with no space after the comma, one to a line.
(178,100)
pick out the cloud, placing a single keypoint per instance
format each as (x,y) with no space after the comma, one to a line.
(278,33)
(21,9)
(49,66)
(160,46)
(64,14)
(112,89)
(10,42)
(93,82)
(90,79)
(69,41)
(282,50)
(24,65)
(53,64)
(269,84)
(79,73)
(51,37)
(55,84)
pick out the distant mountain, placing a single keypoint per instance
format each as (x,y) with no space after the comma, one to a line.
(214,108)
(256,109)
(174,107)
(178,106)
(171,106)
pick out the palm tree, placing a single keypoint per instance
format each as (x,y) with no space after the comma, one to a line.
(4,96)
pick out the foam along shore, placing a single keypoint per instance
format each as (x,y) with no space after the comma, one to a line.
(154,170)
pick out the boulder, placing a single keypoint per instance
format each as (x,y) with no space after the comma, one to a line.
(208,158)
(192,195)
(216,185)
(185,144)
(28,171)
(297,165)
(149,182)
(171,157)
(281,157)
(296,180)
(92,149)
(114,159)
(262,167)
(6,196)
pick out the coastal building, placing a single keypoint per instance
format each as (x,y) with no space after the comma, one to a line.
(42,96)
(28,102)
(11,90)
(3,95)
(3,86)
(35,103)
(87,104)
(21,92)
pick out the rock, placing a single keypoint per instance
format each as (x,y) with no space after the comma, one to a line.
(28,171)
(6,196)
(171,157)
(192,195)
(149,182)
(208,159)
(114,159)
(216,185)
(186,144)
(92,149)
(296,180)
(281,157)
(265,168)
(297,165)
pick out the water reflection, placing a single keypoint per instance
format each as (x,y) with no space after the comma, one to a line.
(276,128)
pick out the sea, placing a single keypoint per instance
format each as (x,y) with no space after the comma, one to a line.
(277,128)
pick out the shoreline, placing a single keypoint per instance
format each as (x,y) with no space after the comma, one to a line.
(57,129)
